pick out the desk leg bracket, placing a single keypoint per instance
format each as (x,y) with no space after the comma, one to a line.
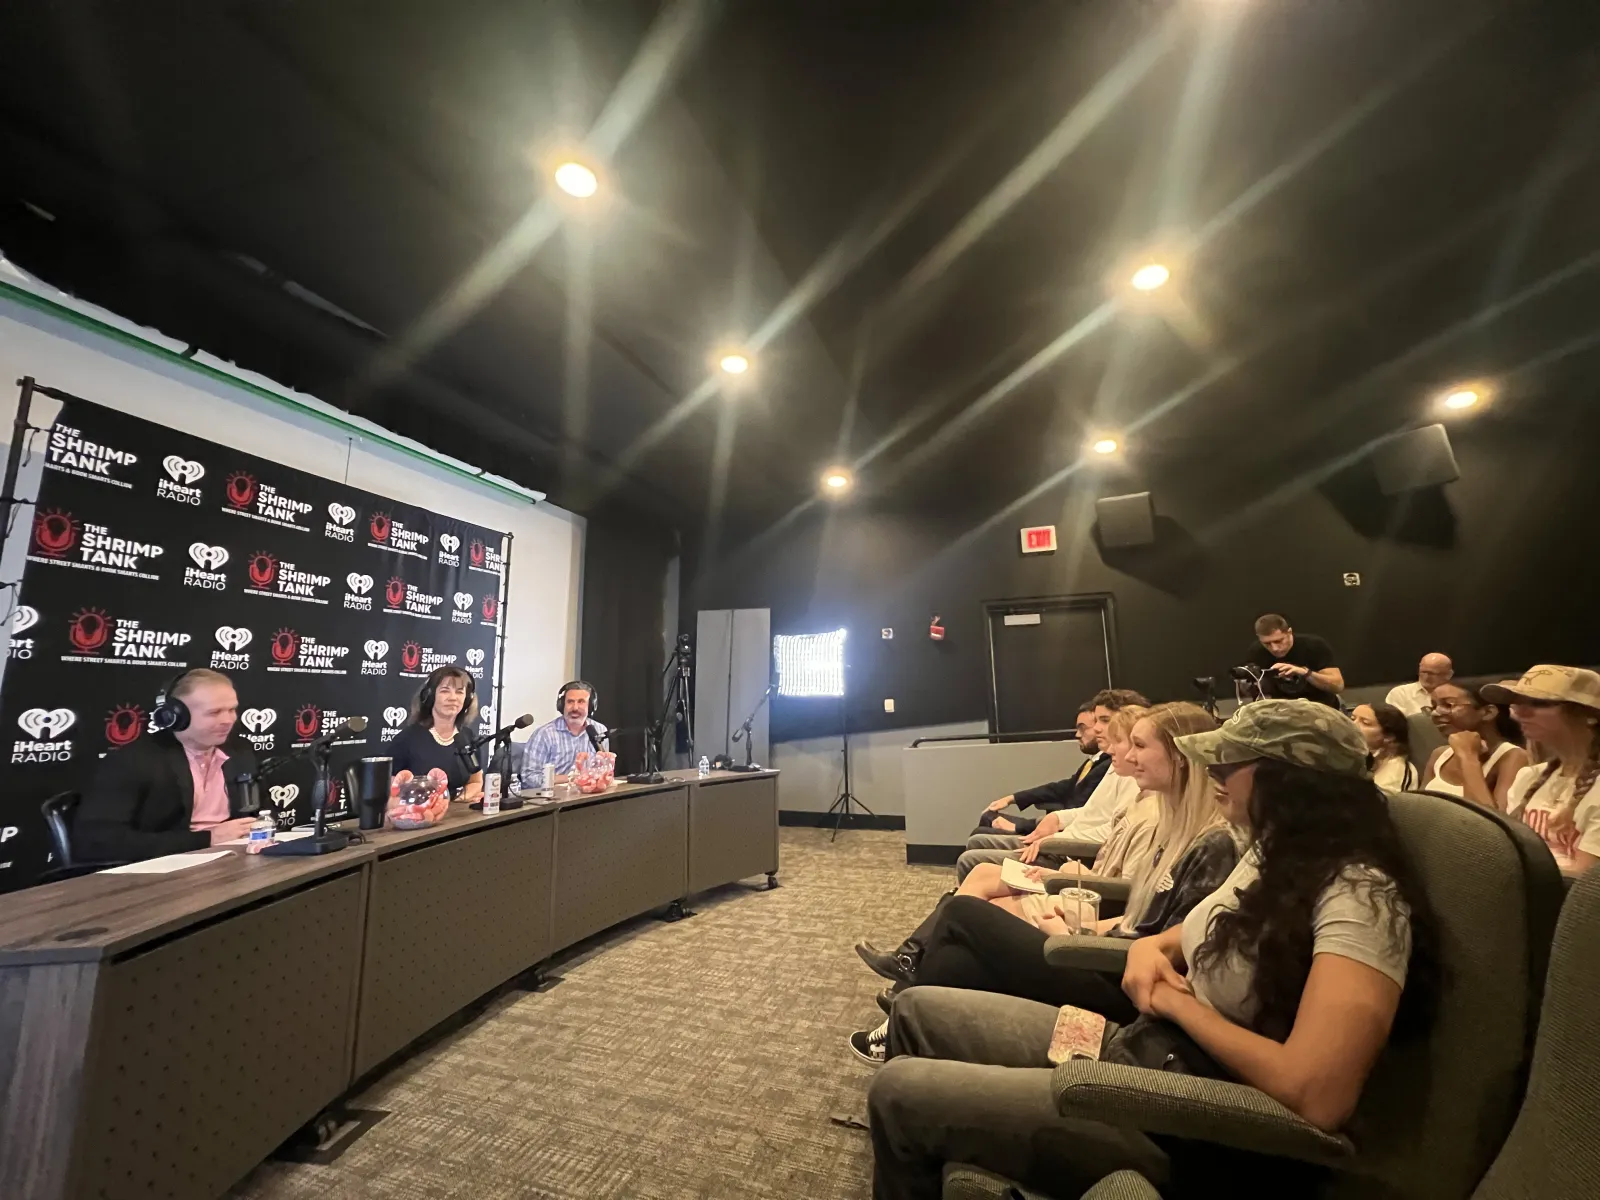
(677,912)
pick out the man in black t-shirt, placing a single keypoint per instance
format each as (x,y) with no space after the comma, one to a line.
(1296,668)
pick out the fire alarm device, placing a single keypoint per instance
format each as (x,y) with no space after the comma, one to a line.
(936,630)
(1039,539)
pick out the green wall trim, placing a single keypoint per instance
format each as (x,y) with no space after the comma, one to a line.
(83,321)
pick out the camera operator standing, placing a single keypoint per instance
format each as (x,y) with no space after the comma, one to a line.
(1294,668)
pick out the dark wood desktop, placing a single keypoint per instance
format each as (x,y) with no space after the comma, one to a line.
(161,1034)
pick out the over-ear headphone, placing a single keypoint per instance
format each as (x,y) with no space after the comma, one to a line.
(171,714)
(431,686)
(573,685)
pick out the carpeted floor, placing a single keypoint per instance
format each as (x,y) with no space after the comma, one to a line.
(699,1059)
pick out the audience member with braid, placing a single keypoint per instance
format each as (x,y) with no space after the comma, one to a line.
(1558,709)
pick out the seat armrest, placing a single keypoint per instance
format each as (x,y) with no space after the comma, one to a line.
(1117,890)
(1186,1106)
(1088,952)
(1066,848)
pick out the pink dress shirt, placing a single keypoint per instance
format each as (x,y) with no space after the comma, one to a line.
(210,793)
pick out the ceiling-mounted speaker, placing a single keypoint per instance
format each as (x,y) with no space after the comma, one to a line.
(1417,459)
(1126,520)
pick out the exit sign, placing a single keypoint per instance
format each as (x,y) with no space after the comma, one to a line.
(1039,539)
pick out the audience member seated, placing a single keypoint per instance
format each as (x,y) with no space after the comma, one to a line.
(1090,823)
(1388,740)
(1412,698)
(1288,977)
(987,938)
(1048,797)
(1482,757)
(1558,709)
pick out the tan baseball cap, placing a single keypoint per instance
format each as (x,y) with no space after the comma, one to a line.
(1569,685)
(1301,732)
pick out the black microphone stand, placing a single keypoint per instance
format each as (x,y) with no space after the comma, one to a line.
(744,732)
(322,840)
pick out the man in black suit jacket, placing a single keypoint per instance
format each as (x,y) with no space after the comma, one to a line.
(143,801)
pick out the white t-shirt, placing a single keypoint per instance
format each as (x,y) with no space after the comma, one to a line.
(1556,793)
(1409,698)
(1346,922)
(1396,775)
(1092,822)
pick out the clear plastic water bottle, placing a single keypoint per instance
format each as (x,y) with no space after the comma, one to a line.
(262,833)
(705,766)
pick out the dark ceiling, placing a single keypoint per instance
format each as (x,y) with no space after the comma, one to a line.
(920,215)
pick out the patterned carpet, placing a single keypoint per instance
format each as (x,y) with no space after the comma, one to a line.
(699,1059)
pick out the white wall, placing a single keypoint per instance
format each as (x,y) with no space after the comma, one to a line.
(541,618)
(813,768)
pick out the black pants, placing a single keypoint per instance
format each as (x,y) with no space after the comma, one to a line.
(979,946)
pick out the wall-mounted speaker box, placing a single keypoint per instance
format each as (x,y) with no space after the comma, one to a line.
(1418,459)
(1126,520)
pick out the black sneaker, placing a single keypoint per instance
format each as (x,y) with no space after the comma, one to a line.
(871,1046)
(886,997)
(895,967)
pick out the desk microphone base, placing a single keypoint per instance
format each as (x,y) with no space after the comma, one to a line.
(323,843)
(647,777)
(744,767)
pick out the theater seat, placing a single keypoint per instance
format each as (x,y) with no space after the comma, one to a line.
(1438,1108)
(1114,893)
(1425,739)
(962,1182)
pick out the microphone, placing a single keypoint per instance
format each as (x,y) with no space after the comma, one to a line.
(244,798)
(343,729)
(594,735)
(521,722)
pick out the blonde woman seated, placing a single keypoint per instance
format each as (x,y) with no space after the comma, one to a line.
(987,943)
(1182,863)
(1558,709)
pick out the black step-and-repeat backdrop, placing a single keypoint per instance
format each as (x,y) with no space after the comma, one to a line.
(152,551)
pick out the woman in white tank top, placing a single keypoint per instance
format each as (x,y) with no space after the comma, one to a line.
(1481,760)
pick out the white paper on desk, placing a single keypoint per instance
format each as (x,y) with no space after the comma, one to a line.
(166,864)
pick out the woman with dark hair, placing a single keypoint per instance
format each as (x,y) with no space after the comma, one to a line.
(1388,745)
(1288,978)
(437,737)
(1482,757)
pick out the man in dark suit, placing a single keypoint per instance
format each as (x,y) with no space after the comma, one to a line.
(168,792)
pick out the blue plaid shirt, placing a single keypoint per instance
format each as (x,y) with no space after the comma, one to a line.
(553,744)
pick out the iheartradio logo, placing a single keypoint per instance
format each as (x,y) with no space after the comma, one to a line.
(342,514)
(46,724)
(258,720)
(284,795)
(183,470)
(209,558)
(449,542)
(394,716)
(24,618)
(475,657)
(233,638)
(359,584)
(376,649)
(463,600)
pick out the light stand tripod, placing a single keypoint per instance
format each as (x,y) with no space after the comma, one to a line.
(674,708)
(841,805)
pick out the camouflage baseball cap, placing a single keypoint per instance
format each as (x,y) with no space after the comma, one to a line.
(1301,732)
(1571,685)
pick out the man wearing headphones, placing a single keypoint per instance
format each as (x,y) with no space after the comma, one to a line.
(559,741)
(168,792)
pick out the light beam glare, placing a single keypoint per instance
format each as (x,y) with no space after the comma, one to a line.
(575,350)
(1196,117)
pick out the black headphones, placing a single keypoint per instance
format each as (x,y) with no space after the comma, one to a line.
(431,686)
(171,714)
(574,685)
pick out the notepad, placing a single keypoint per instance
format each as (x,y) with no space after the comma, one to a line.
(166,864)
(1014,874)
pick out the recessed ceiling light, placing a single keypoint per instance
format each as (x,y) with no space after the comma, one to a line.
(1149,277)
(1105,445)
(734,364)
(1460,398)
(836,480)
(575,179)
